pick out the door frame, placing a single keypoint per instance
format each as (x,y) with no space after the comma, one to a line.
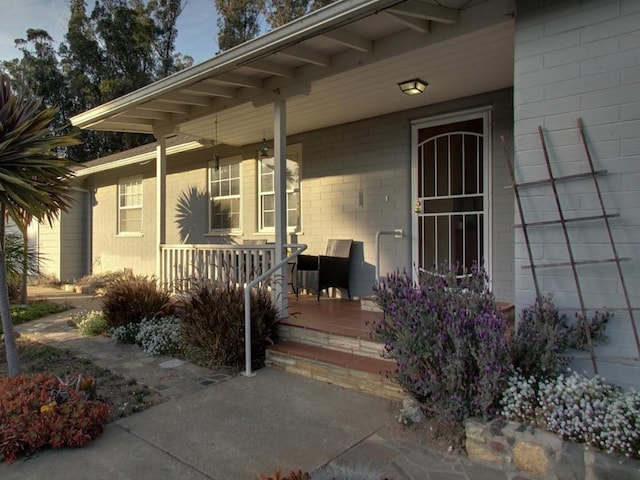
(485,113)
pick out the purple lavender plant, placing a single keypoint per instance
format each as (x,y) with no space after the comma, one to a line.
(448,340)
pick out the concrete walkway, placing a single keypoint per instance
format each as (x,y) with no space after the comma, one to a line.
(221,426)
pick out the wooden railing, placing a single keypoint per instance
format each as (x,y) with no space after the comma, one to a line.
(184,265)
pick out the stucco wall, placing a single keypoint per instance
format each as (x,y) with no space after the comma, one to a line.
(582,59)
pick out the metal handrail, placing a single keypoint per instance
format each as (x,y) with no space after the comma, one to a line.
(299,248)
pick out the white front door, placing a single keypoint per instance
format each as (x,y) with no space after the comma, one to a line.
(450,188)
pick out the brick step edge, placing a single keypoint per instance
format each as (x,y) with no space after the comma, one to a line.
(339,368)
(328,340)
(370,304)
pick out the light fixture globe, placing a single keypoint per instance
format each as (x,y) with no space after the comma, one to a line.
(415,86)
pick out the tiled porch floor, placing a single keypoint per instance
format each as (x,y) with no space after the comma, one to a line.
(330,341)
(332,315)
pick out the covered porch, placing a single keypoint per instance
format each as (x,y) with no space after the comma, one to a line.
(338,65)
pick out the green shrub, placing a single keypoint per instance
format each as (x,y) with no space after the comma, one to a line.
(91,323)
(125,333)
(132,298)
(597,325)
(40,411)
(213,324)
(15,253)
(448,340)
(26,313)
(541,339)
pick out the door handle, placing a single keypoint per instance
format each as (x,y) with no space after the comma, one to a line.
(418,207)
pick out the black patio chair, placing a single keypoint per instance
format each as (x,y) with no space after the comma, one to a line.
(332,268)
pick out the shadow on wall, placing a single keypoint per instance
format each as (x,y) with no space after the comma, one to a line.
(361,274)
(192,218)
(191,215)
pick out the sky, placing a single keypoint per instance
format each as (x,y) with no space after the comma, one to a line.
(197,28)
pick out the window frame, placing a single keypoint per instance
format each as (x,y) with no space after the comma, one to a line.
(294,154)
(211,166)
(121,183)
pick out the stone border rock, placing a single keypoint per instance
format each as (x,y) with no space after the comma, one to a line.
(542,454)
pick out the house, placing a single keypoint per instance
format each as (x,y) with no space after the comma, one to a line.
(304,134)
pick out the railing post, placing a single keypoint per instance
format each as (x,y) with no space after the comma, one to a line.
(297,250)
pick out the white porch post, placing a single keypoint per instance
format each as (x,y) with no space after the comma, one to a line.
(280,187)
(161,203)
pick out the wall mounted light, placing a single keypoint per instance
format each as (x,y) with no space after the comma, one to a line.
(414,86)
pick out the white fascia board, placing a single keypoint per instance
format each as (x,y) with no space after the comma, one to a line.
(142,157)
(314,23)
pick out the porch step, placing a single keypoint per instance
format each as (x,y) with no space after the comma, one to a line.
(370,304)
(349,370)
(341,342)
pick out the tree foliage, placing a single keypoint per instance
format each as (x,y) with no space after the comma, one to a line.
(33,180)
(113,47)
(238,21)
(280,12)
(116,47)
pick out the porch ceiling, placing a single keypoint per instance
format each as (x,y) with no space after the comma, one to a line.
(337,65)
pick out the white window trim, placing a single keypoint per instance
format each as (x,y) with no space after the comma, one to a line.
(292,150)
(224,231)
(120,233)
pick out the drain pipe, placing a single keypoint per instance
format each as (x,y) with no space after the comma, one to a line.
(397,233)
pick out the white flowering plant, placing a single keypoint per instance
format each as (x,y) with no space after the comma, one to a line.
(162,336)
(578,408)
(156,336)
(125,333)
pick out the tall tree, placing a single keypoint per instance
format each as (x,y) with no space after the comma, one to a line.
(238,21)
(317,4)
(39,70)
(111,49)
(34,180)
(280,12)
(165,14)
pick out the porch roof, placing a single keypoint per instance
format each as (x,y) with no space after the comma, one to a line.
(335,65)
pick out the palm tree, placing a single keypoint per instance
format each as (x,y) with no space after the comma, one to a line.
(34,180)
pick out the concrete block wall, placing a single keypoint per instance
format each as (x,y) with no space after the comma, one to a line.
(356,181)
(113,252)
(582,59)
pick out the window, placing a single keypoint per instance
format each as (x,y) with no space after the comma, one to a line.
(130,205)
(267,200)
(224,196)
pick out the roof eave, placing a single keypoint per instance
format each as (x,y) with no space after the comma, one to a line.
(311,24)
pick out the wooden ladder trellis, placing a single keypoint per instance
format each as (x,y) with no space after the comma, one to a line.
(563,221)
